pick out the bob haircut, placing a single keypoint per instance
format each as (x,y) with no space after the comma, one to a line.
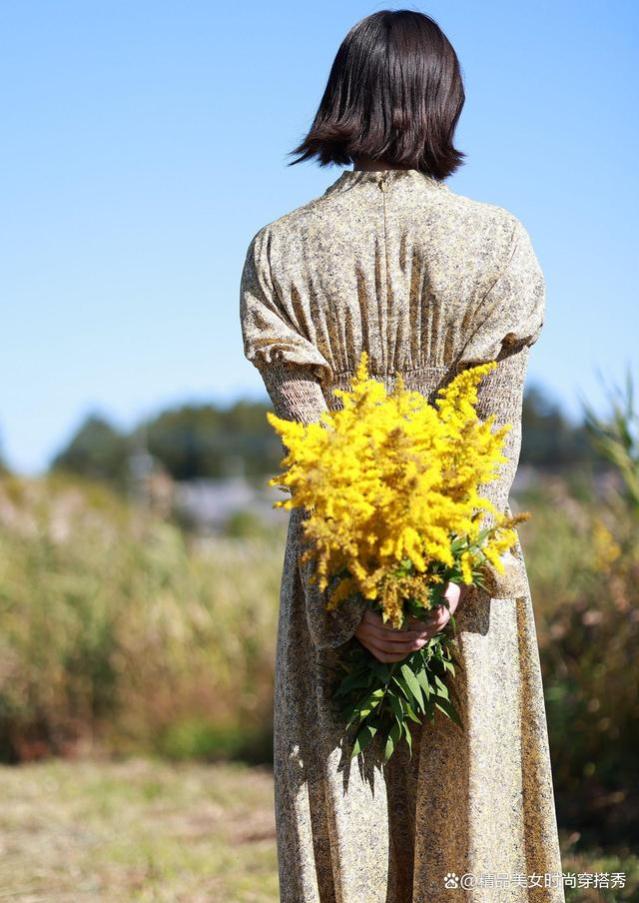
(394,94)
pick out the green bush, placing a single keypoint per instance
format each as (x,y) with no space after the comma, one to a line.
(583,551)
(114,627)
(585,599)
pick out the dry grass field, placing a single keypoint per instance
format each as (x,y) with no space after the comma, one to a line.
(144,830)
(137,830)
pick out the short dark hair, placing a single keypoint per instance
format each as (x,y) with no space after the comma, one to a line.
(394,93)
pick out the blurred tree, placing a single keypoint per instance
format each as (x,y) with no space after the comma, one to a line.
(190,441)
(3,466)
(96,450)
(196,441)
(549,440)
(206,441)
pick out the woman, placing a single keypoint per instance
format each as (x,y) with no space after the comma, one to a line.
(390,260)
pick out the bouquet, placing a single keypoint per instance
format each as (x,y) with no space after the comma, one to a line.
(390,487)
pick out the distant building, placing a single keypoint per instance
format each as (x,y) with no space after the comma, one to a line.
(209,503)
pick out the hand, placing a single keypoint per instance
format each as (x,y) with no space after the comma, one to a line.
(390,645)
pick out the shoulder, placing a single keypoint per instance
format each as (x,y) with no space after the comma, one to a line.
(285,236)
(493,231)
(494,223)
(295,223)
(503,237)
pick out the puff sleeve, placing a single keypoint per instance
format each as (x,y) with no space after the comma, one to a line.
(511,318)
(293,370)
(291,367)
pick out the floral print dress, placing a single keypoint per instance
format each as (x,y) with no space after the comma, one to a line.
(427,281)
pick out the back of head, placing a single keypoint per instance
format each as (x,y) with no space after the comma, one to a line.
(394,93)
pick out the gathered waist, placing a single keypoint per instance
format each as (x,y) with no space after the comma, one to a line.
(339,375)
(427,380)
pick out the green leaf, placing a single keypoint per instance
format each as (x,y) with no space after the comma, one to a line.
(413,685)
(393,738)
(367,705)
(399,681)
(409,740)
(363,739)
(395,704)
(422,677)
(441,687)
(411,714)
(380,669)
(352,682)
(427,652)
(448,709)
(354,719)
(372,699)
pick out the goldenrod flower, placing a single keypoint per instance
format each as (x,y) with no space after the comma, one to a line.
(390,483)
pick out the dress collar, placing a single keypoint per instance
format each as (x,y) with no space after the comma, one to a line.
(383,177)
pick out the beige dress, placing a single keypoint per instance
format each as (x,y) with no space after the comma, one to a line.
(427,281)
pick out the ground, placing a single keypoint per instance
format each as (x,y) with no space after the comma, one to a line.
(143,830)
(137,830)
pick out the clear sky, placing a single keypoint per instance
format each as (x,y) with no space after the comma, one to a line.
(144,143)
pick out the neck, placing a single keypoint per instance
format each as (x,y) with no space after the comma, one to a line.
(367,164)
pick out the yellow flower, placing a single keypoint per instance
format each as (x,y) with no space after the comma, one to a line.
(389,481)
(467,567)
(606,549)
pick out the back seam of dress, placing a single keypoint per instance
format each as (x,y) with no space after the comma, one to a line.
(383,322)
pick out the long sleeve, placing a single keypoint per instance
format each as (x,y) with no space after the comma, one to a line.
(512,318)
(292,369)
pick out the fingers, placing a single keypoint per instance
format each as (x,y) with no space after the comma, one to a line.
(390,645)
(374,621)
(434,621)
(425,619)
(372,627)
(394,637)
(386,657)
(453,594)
(387,649)
(441,618)
(394,648)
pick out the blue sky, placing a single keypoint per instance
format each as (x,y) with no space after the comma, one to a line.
(144,143)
